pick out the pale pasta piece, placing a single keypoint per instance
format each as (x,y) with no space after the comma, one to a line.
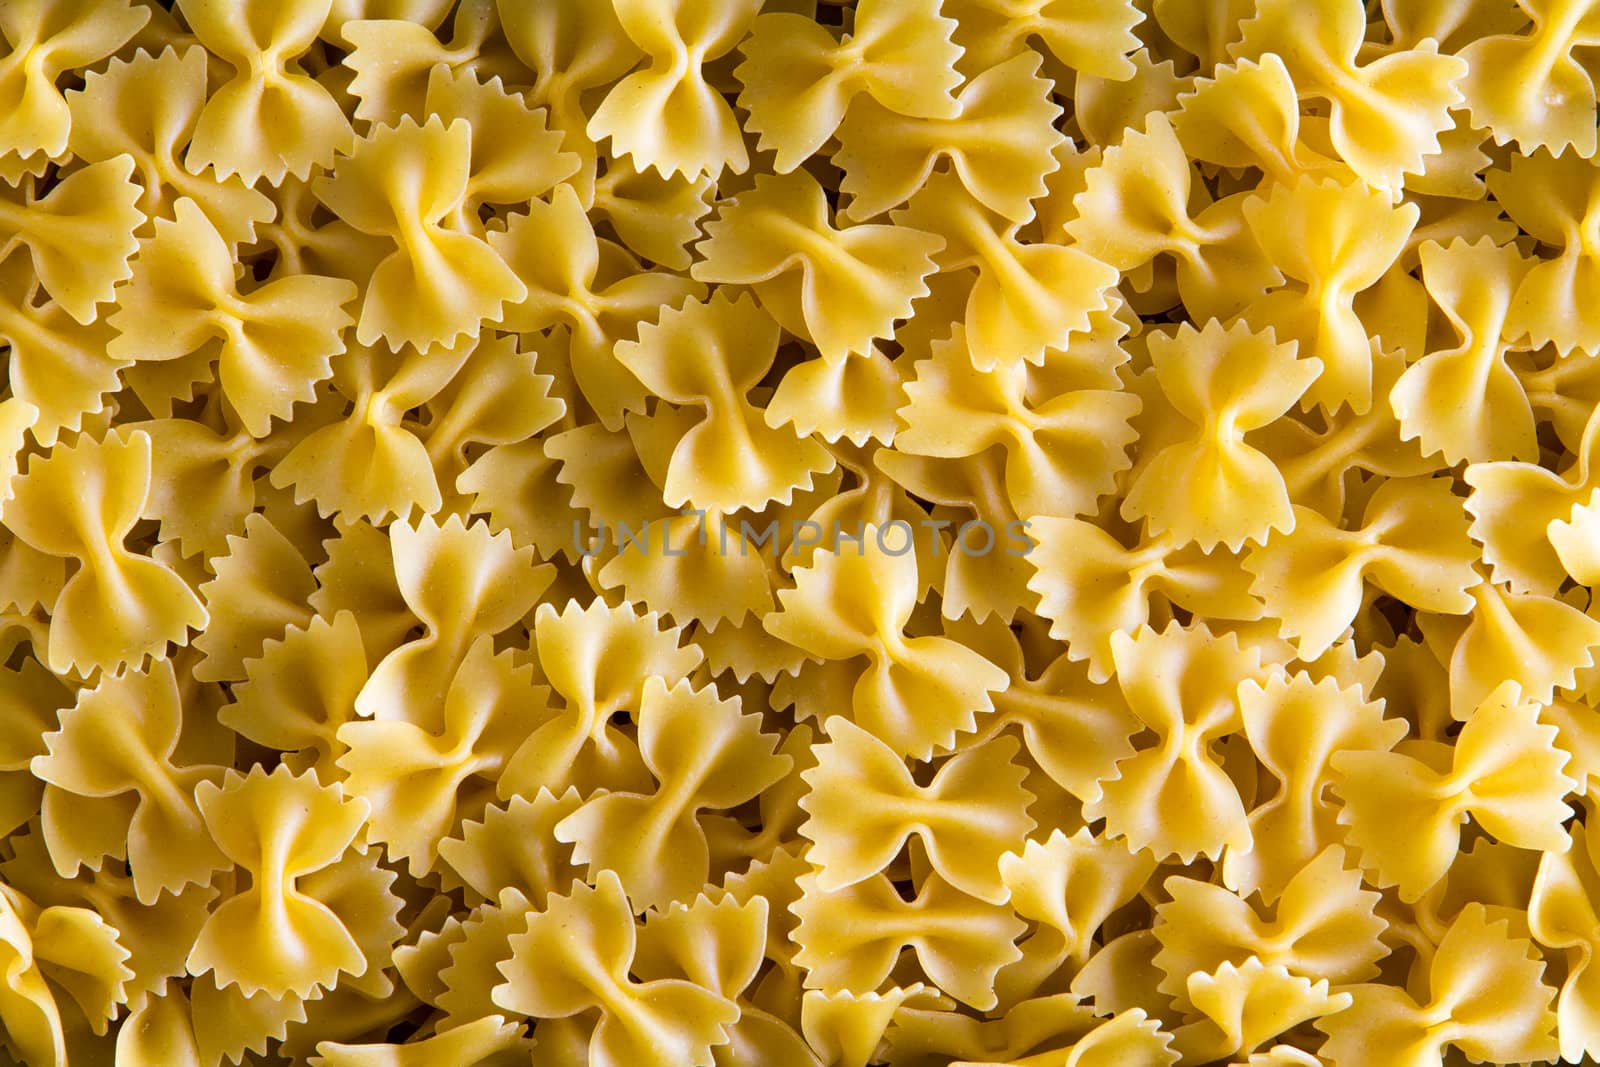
(704,753)
(973,809)
(916,693)
(553,974)
(850,939)
(296,941)
(594,288)
(798,81)
(1211,487)
(417,780)
(1062,455)
(1384,115)
(1175,798)
(1243,1007)
(1404,816)
(406,183)
(43,39)
(667,116)
(1483,984)
(1465,402)
(1528,87)
(80,234)
(118,607)
(277,340)
(711,355)
(1295,726)
(271,118)
(1335,240)
(843,287)
(462,583)
(1027,298)
(1093,37)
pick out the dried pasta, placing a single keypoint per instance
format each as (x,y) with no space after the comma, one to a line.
(799,533)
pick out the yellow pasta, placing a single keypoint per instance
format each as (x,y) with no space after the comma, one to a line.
(809,533)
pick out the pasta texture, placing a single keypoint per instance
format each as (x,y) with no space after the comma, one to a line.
(799,533)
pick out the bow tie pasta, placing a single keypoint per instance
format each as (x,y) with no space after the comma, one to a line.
(799,533)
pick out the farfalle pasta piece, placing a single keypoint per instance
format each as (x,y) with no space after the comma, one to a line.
(1028,297)
(704,754)
(778,239)
(416,779)
(515,155)
(1295,725)
(146,108)
(1529,87)
(539,866)
(261,588)
(1465,401)
(202,482)
(1062,454)
(710,355)
(574,956)
(44,39)
(1000,145)
(593,287)
(301,689)
(1093,38)
(81,502)
(1562,916)
(798,79)
(1075,728)
(1220,267)
(597,659)
(120,740)
(1210,487)
(1542,642)
(1404,816)
(1175,798)
(667,116)
(498,397)
(864,805)
(79,234)
(1107,109)
(272,118)
(842,288)
(275,936)
(48,952)
(656,217)
(55,364)
(1383,116)
(1412,543)
(1242,1007)
(406,183)
(277,339)
(1246,114)
(1485,998)
(1130,1038)
(1324,926)
(490,1039)
(462,583)
(371,463)
(851,939)
(1335,239)
(391,59)
(1555,200)
(1072,885)
(1090,586)
(571,46)
(1516,505)
(916,693)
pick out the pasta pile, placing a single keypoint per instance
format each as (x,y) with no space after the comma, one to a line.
(799,533)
